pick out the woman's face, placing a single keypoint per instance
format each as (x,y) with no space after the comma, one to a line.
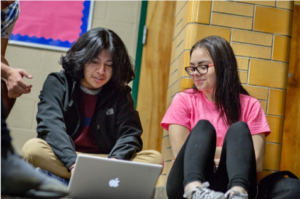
(206,82)
(98,72)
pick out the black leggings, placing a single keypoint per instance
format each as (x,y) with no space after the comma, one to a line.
(195,161)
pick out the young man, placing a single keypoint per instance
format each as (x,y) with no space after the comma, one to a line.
(88,108)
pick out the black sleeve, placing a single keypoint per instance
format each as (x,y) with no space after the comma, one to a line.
(50,118)
(129,128)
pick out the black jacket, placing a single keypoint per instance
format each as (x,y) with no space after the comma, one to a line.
(115,123)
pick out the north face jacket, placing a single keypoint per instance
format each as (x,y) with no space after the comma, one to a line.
(116,124)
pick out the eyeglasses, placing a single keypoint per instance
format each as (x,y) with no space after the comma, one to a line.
(201,69)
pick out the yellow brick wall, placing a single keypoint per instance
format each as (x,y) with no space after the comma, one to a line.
(260,35)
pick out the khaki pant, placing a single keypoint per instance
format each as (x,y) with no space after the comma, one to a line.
(38,153)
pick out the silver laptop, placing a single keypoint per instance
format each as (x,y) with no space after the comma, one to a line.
(104,178)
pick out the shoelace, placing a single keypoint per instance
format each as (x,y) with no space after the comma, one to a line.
(236,195)
(201,191)
(204,185)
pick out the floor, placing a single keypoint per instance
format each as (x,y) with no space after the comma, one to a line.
(159,193)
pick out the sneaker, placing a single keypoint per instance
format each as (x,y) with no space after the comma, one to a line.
(203,192)
(235,195)
(63,180)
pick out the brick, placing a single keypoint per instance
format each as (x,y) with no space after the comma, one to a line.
(252,37)
(183,61)
(178,23)
(165,132)
(265,3)
(268,73)
(273,20)
(263,105)
(199,11)
(162,180)
(243,76)
(276,102)
(168,155)
(233,8)
(231,21)
(180,42)
(196,32)
(172,71)
(272,156)
(179,6)
(165,142)
(281,49)
(257,92)
(167,167)
(251,50)
(263,174)
(243,63)
(276,126)
(285,4)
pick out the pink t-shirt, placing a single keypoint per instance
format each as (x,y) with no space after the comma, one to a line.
(187,108)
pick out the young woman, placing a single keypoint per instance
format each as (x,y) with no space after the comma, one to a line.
(217,131)
(88,108)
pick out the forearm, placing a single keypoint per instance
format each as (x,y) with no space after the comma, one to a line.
(4,68)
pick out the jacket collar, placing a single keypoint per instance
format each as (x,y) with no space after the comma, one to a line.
(103,96)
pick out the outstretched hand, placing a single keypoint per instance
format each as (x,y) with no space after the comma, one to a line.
(15,83)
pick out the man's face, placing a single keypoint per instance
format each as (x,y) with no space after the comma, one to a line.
(5,4)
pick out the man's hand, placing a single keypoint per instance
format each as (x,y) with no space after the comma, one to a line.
(16,86)
(71,168)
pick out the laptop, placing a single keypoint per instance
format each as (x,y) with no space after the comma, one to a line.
(96,177)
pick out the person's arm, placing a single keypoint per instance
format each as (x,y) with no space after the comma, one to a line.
(16,86)
(259,142)
(51,114)
(128,127)
(177,136)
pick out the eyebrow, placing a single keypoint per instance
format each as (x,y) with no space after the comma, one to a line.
(100,59)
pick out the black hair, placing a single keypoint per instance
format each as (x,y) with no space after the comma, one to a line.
(228,85)
(88,47)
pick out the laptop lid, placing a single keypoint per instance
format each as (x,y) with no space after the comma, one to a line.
(96,177)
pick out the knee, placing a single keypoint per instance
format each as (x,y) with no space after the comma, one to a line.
(151,156)
(204,123)
(32,149)
(239,128)
(204,126)
(157,157)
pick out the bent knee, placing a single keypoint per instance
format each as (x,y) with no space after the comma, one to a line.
(152,156)
(33,150)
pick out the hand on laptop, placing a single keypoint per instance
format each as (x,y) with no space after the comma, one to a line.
(71,168)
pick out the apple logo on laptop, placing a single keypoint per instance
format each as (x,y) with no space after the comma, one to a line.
(114,182)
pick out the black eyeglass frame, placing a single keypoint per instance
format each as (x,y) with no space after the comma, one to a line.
(196,68)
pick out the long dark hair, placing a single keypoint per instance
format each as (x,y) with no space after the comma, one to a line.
(228,85)
(88,47)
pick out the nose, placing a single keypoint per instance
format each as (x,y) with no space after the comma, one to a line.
(195,72)
(101,69)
